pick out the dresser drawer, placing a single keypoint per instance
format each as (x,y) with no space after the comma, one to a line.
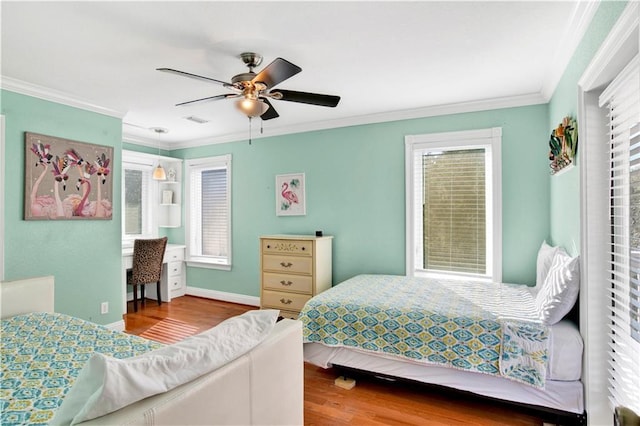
(301,248)
(285,301)
(284,282)
(295,264)
(174,269)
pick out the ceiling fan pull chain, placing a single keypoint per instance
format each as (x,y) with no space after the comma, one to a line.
(249,130)
(261,129)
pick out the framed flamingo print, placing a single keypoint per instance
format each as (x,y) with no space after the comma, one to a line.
(290,199)
(66,179)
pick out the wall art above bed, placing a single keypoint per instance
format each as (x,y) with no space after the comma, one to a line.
(66,179)
(563,145)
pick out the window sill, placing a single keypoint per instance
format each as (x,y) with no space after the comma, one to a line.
(208,265)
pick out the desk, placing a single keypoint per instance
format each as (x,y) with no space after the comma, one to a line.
(173,281)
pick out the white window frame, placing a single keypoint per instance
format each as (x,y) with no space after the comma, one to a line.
(619,47)
(488,139)
(145,162)
(194,259)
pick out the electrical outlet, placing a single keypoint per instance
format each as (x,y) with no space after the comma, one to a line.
(104,308)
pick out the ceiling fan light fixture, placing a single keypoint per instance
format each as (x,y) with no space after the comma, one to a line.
(251,107)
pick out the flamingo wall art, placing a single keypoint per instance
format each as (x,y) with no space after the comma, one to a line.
(290,197)
(66,179)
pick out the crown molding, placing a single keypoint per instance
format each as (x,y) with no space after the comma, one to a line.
(433,111)
(41,92)
(618,38)
(568,43)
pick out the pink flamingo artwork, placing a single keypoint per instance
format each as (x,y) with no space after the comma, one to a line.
(290,196)
(60,169)
(41,205)
(83,181)
(102,170)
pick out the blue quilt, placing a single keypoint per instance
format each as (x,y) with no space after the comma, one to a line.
(475,326)
(42,354)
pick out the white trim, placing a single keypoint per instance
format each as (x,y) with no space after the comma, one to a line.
(41,92)
(224,296)
(615,52)
(116,326)
(485,137)
(574,31)
(608,55)
(2,191)
(432,111)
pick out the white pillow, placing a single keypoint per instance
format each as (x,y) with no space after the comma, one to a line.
(543,263)
(107,384)
(560,289)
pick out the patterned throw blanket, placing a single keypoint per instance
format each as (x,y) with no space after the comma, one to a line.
(43,353)
(475,326)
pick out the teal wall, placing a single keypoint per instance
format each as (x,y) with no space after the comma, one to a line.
(355,191)
(84,256)
(565,188)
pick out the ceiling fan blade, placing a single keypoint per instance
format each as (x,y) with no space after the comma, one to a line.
(271,112)
(195,76)
(276,72)
(210,98)
(308,98)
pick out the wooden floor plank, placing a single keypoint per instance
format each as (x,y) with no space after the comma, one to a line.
(372,402)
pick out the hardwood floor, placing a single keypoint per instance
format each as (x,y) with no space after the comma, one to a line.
(371,402)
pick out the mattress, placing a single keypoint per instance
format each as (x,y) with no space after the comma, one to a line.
(41,356)
(468,325)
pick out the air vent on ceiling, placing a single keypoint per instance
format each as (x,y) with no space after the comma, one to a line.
(196,119)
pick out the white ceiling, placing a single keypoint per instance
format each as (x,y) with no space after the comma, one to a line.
(385,59)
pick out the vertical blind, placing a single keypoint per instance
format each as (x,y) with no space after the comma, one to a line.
(209,212)
(454,211)
(622,99)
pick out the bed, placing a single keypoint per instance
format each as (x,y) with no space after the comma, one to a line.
(484,338)
(46,357)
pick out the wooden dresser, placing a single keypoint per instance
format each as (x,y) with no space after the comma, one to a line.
(293,268)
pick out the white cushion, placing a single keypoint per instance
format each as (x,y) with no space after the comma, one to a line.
(543,263)
(560,289)
(107,384)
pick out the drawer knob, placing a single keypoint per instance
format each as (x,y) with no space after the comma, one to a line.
(286,265)
(268,246)
(285,301)
(286,283)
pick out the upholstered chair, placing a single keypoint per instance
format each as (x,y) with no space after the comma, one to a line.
(147,267)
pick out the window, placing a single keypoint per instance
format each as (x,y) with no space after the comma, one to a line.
(453,184)
(622,100)
(209,212)
(137,197)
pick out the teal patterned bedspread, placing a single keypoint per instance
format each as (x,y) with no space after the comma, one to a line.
(482,327)
(42,354)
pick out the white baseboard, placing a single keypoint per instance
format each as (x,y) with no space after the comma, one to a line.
(224,296)
(116,326)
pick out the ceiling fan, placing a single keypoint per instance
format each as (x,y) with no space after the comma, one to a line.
(253,91)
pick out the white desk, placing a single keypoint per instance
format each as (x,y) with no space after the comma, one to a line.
(173,282)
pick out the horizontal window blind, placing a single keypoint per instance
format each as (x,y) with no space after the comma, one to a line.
(454,211)
(622,99)
(209,218)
